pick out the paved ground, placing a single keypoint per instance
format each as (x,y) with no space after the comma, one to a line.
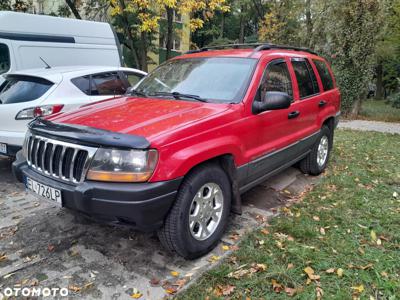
(43,246)
(371,126)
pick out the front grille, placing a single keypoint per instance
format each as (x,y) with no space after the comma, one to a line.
(53,158)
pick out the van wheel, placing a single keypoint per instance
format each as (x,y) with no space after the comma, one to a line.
(316,162)
(200,213)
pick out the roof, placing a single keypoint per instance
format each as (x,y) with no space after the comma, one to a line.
(249,51)
(81,31)
(56,74)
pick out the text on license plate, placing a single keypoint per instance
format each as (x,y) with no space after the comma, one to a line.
(43,190)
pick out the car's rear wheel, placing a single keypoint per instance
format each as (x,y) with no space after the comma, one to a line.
(317,160)
(200,213)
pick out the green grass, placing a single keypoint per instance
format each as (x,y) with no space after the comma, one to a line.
(378,110)
(355,200)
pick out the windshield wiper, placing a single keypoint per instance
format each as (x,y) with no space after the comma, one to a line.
(133,92)
(178,95)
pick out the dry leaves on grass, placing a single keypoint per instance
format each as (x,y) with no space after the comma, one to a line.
(276,286)
(241,271)
(311,275)
(224,290)
(175,273)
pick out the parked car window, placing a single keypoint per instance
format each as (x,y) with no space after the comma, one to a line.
(276,78)
(82,83)
(313,77)
(326,78)
(219,79)
(18,89)
(4,58)
(133,78)
(107,84)
(306,81)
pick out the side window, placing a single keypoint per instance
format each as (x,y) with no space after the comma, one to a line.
(82,83)
(4,58)
(133,78)
(306,78)
(326,78)
(276,78)
(107,84)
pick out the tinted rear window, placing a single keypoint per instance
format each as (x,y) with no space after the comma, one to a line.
(306,79)
(82,83)
(4,58)
(107,84)
(18,89)
(326,78)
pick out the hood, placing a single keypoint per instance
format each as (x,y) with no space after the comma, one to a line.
(147,117)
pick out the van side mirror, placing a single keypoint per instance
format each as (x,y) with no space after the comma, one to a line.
(272,101)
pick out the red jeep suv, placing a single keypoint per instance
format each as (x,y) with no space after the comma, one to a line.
(177,152)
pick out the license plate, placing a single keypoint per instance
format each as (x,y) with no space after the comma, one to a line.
(44,191)
(3,148)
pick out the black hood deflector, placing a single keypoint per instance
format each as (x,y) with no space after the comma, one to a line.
(87,135)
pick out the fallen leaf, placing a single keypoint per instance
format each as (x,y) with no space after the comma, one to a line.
(74,288)
(175,273)
(261,242)
(379,242)
(358,289)
(180,283)
(226,290)
(292,291)
(265,231)
(319,292)
(395,194)
(290,266)
(322,230)
(339,272)
(50,248)
(316,218)
(330,270)
(276,286)
(3,257)
(373,235)
(384,274)
(213,259)
(225,247)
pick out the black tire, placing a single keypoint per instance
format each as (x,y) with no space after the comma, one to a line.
(175,235)
(309,164)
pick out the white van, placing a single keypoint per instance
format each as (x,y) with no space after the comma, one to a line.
(30,41)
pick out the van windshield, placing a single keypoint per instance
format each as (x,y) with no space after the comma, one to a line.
(18,89)
(4,58)
(212,79)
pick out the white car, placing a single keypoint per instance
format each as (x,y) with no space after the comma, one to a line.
(42,92)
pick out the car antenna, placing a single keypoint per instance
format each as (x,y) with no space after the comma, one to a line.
(47,65)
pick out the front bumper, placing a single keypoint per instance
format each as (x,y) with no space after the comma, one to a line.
(141,205)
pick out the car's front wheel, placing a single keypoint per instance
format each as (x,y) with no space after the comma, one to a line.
(200,213)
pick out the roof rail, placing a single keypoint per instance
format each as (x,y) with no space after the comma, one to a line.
(257,47)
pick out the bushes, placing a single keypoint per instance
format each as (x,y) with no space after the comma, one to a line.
(394,100)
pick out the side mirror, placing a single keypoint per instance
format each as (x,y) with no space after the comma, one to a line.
(272,101)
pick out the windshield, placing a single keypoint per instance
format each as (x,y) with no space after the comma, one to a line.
(4,58)
(219,79)
(17,89)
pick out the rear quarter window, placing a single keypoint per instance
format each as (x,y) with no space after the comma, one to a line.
(306,78)
(18,89)
(82,83)
(324,74)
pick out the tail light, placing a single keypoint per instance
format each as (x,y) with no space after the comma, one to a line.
(38,111)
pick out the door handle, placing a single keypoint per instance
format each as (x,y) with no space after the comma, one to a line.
(322,103)
(293,114)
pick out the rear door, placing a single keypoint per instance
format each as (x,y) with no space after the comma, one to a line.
(308,97)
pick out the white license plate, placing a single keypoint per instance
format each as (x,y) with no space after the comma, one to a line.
(3,148)
(44,191)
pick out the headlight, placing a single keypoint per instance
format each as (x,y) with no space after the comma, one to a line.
(122,165)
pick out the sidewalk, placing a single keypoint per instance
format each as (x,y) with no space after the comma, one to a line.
(364,125)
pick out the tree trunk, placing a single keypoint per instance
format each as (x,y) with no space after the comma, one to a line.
(379,81)
(143,52)
(170,31)
(309,23)
(355,110)
(221,34)
(73,8)
(241,32)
